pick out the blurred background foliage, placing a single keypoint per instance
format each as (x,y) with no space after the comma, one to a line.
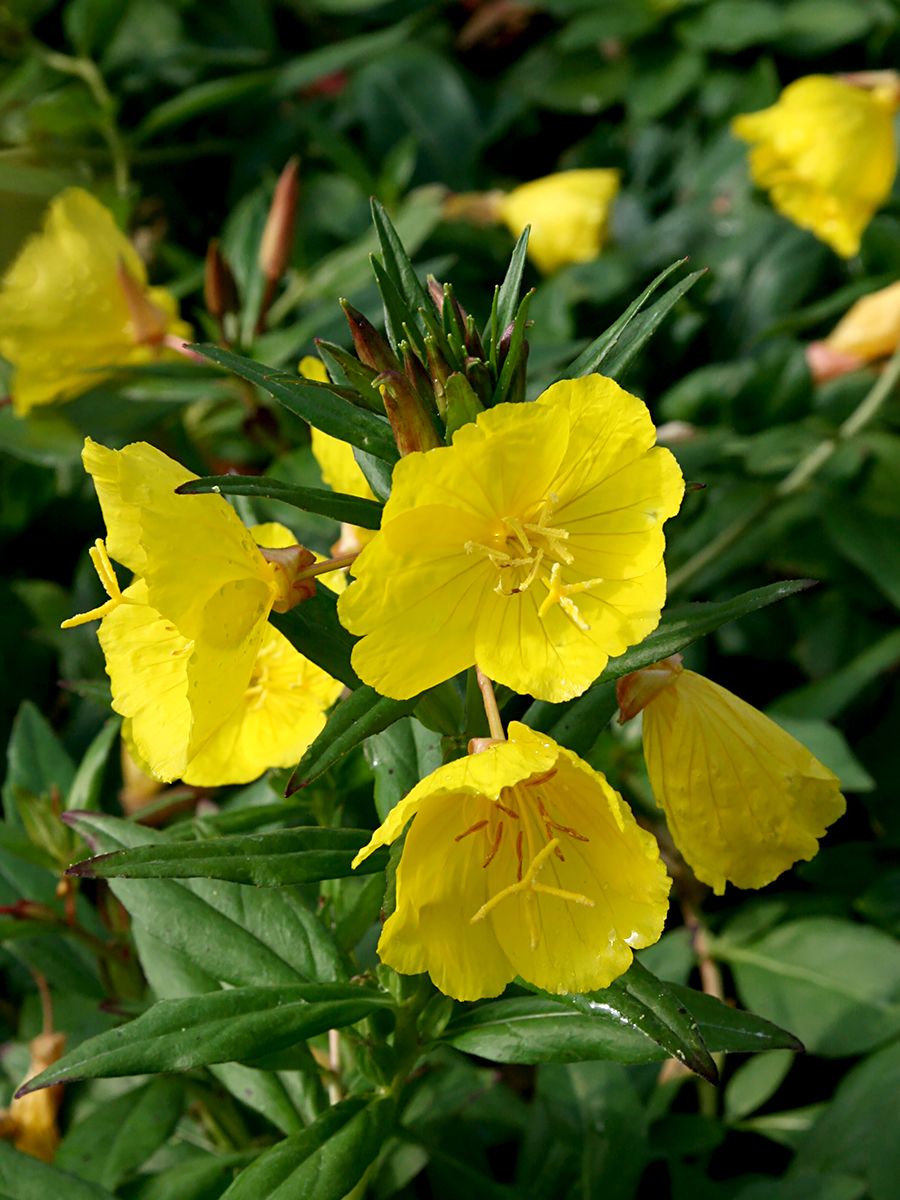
(179,115)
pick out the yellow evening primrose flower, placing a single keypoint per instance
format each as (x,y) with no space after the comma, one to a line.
(520,860)
(533,546)
(868,331)
(338,465)
(75,305)
(202,679)
(827,155)
(743,799)
(568,213)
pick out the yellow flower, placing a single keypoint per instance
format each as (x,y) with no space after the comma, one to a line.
(75,305)
(210,691)
(743,799)
(31,1121)
(521,860)
(827,155)
(869,331)
(568,213)
(532,546)
(338,466)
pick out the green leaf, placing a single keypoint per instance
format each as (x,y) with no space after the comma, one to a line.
(632,341)
(278,859)
(836,983)
(854,1133)
(755,1082)
(36,761)
(578,723)
(507,297)
(313,628)
(329,408)
(215,931)
(538,1029)
(337,505)
(327,1160)
(593,358)
(120,1135)
(398,267)
(88,781)
(399,758)
(23,1177)
(233,1025)
(362,714)
(516,349)
(827,698)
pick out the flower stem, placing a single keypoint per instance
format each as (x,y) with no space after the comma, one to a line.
(804,471)
(328,564)
(491,711)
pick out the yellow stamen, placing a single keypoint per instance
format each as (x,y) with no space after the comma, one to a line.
(107,577)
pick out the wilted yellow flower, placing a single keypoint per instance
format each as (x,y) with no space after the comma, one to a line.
(532,546)
(520,860)
(30,1122)
(869,331)
(827,155)
(568,213)
(75,305)
(203,680)
(743,799)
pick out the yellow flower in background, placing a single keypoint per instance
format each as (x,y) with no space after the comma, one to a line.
(338,466)
(568,213)
(188,642)
(827,155)
(743,799)
(31,1121)
(520,860)
(532,546)
(869,331)
(75,305)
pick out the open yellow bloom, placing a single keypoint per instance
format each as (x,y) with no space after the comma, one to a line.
(827,155)
(532,546)
(75,305)
(867,332)
(568,213)
(521,860)
(743,799)
(204,682)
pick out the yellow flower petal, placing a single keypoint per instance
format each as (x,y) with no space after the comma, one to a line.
(826,153)
(744,800)
(63,313)
(871,328)
(146,660)
(520,860)
(568,213)
(533,545)
(279,715)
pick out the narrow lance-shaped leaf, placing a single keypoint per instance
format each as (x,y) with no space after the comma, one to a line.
(329,408)
(592,358)
(363,713)
(233,1025)
(337,505)
(643,327)
(277,859)
(327,1160)
(397,264)
(313,628)
(506,297)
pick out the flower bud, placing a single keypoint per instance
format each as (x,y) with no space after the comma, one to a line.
(413,426)
(148,323)
(219,287)
(868,331)
(371,347)
(290,562)
(635,691)
(278,235)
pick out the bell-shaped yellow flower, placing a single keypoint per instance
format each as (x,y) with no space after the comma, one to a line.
(743,799)
(75,305)
(520,860)
(202,679)
(568,213)
(827,155)
(532,546)
(867,332)
(338,466)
